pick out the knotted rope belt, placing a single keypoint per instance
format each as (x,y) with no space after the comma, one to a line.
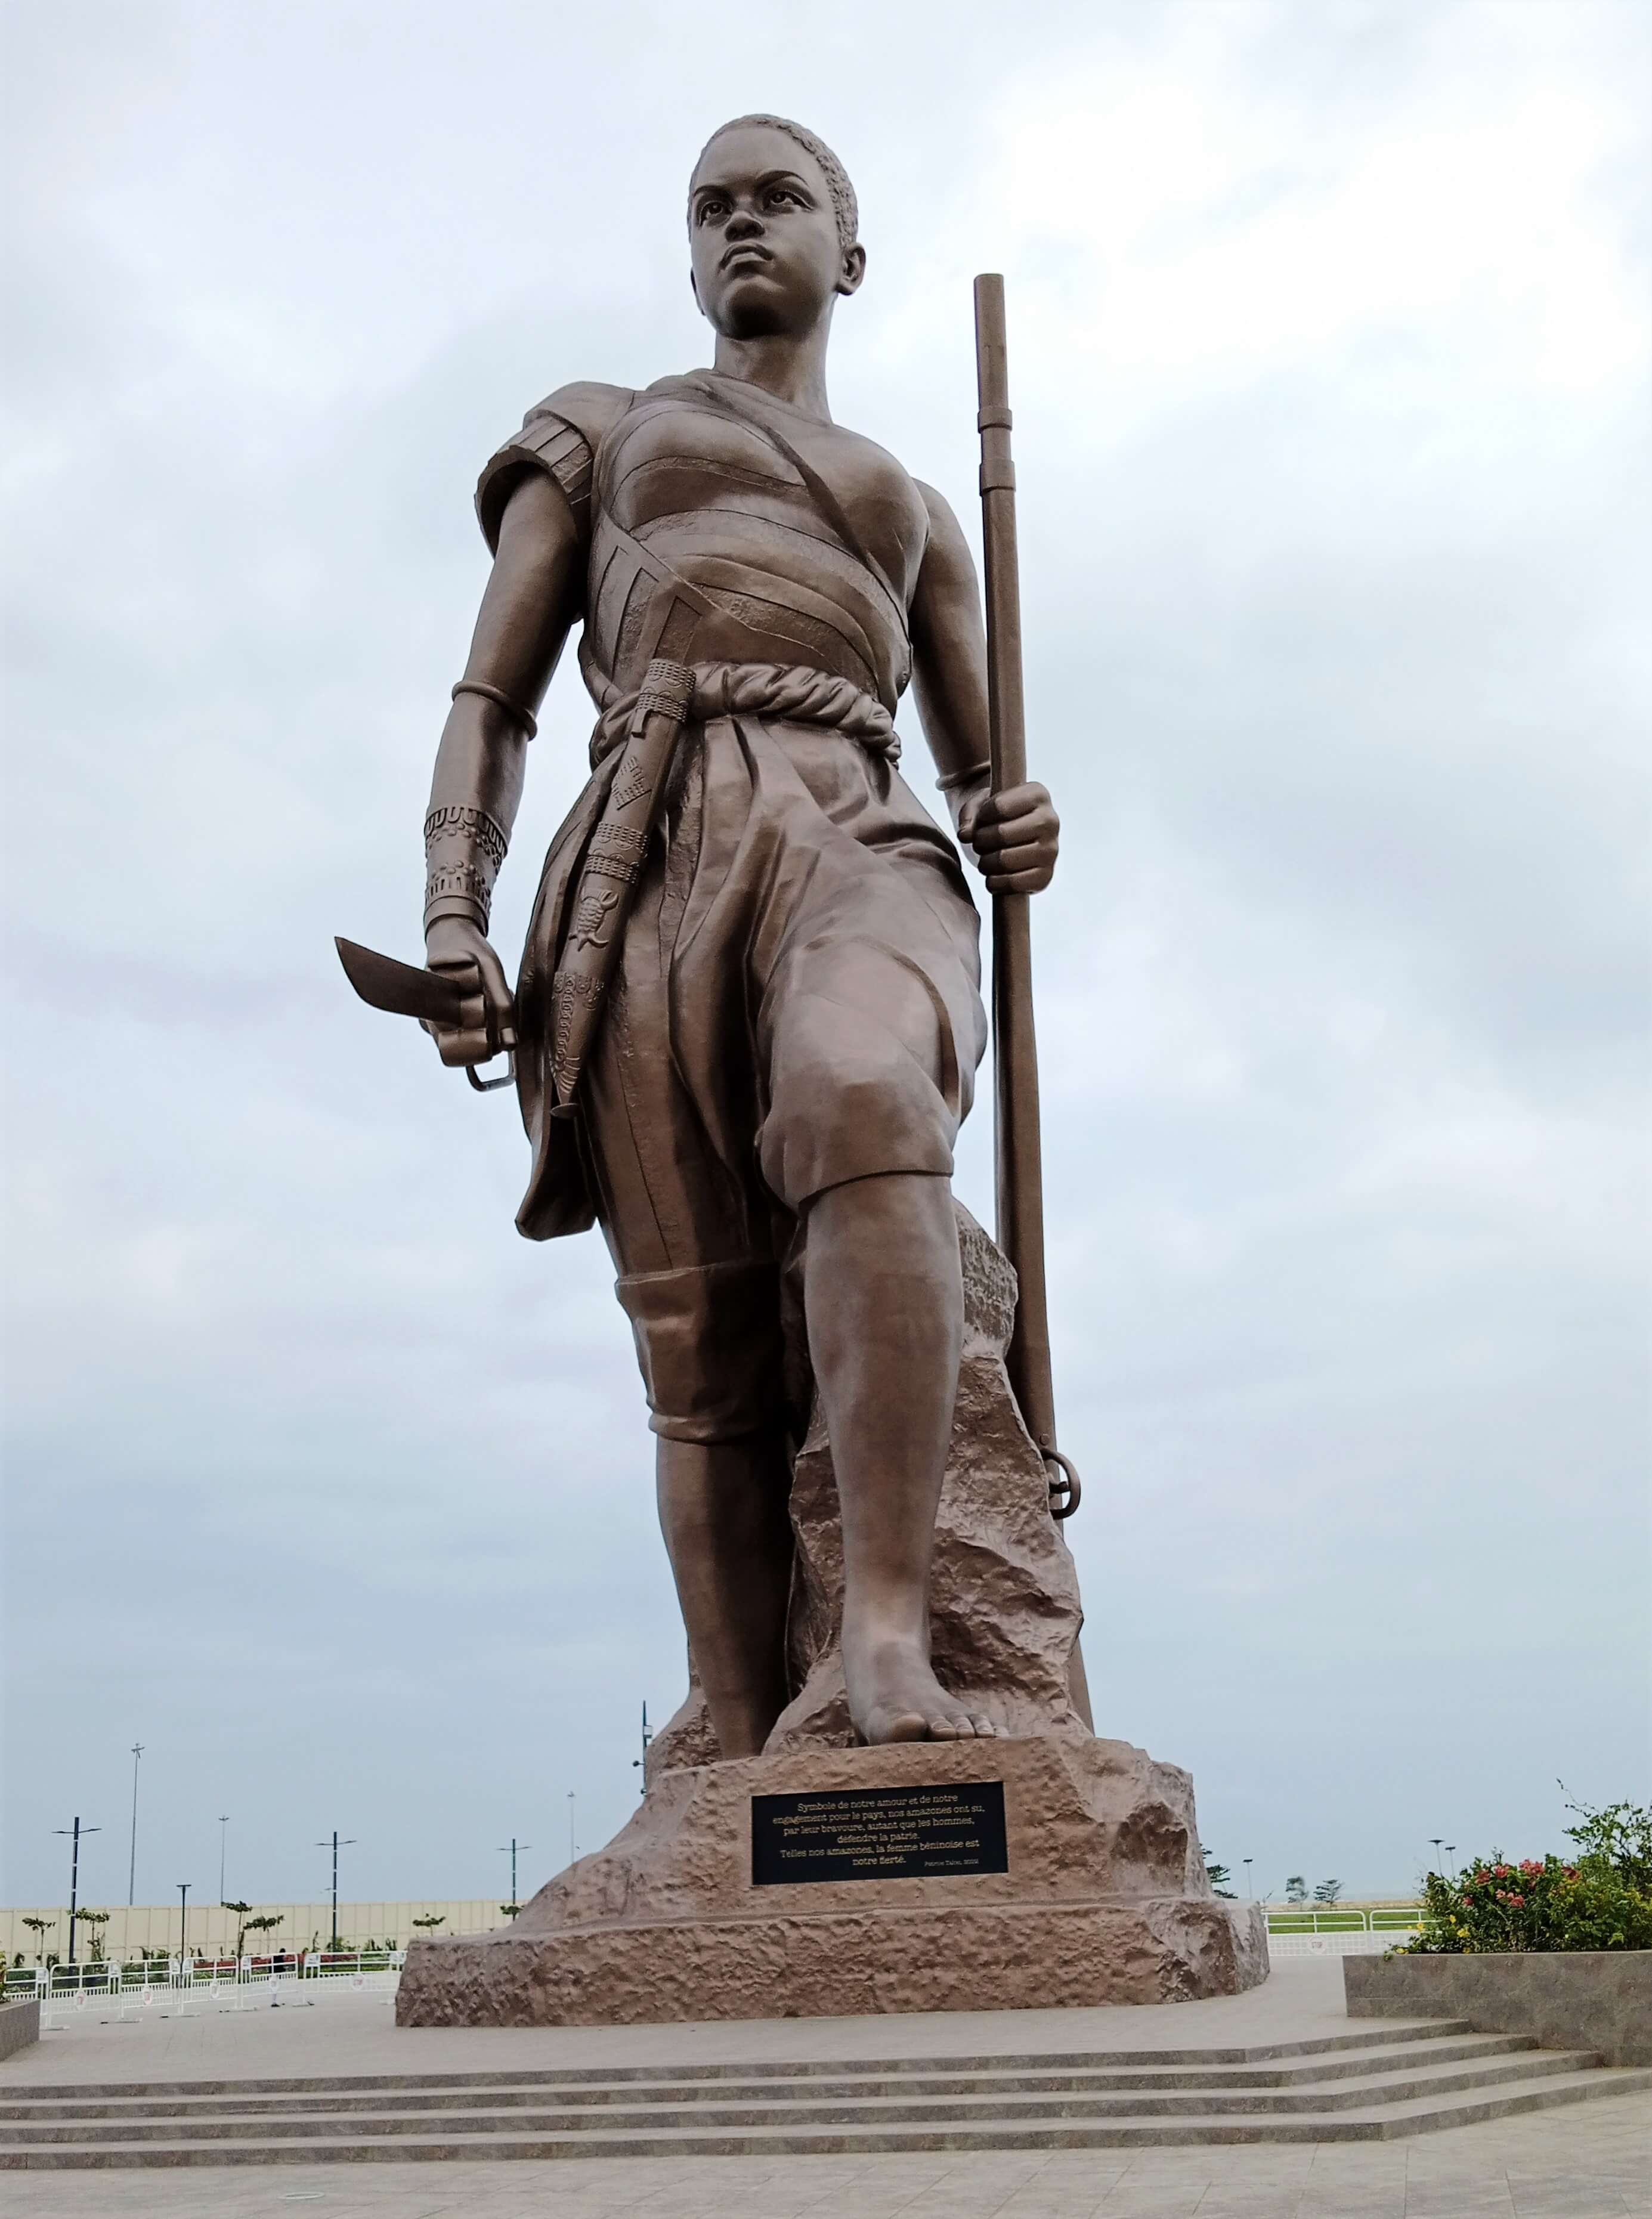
(647,725)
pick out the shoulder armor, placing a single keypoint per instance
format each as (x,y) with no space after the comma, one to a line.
(560,435)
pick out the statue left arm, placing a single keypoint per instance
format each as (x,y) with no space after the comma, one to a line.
(1015,835)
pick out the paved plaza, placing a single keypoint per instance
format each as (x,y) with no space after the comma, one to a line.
(1589,2160)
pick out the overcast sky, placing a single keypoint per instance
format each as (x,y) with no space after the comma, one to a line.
(1329,345)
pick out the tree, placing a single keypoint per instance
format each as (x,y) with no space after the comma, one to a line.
(429,1925)
(1327,1890)
(1297,1889)
(509,1910)
(39,1928)
(267,1924)
(1218,1875)
(97,1920)
(240,1911)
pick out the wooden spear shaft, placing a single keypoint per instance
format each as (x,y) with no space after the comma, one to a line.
(1019,1158)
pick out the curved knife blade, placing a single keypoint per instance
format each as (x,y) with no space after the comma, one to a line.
(404,989)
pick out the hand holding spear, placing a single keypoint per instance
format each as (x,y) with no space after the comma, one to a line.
(1018,1156)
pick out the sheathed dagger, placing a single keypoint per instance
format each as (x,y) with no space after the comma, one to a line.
(453,1000)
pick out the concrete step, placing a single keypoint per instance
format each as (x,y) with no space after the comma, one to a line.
(821,2083)
(322,2119)
(1377,2121)
(1375,2036)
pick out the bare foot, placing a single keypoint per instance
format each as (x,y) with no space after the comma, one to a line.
(894,1696)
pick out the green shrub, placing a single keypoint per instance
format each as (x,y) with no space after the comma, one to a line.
(1601,1901)
(1621,1835)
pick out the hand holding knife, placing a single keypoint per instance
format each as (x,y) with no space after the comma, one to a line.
(444,1002)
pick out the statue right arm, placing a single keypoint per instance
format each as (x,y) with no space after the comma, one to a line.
(535,594)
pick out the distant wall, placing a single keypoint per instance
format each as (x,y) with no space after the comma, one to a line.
(213,1929)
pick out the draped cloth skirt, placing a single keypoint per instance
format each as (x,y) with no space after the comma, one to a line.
(797,1004)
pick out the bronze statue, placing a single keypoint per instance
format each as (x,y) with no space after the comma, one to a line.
(749,1015)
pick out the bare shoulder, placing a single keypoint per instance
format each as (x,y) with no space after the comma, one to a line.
(948,550)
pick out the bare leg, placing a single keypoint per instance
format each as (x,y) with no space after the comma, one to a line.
(883,1295)
(723,1510)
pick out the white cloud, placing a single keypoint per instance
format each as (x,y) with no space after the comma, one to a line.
(1329,362)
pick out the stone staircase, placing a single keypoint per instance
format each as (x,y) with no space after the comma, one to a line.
(1383,2082)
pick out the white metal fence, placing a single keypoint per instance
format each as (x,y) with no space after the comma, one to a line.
(1385,1918)
(1310,1932)
(1331,1945)
(103,1994)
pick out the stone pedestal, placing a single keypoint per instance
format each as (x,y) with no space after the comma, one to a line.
(1105,1901)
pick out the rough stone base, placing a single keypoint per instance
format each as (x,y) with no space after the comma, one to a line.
(1105,1901)
(993,1957)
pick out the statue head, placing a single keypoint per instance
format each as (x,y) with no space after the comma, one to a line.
(771,228)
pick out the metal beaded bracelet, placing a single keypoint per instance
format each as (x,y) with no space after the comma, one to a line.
(463,820)
(458,890)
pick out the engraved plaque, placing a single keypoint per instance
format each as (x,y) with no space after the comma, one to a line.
(878,1833)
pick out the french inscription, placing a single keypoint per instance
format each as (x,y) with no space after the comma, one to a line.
(878,1833)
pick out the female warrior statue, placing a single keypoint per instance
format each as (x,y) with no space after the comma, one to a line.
(749,1014)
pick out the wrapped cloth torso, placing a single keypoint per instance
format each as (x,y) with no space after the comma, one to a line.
(797,998)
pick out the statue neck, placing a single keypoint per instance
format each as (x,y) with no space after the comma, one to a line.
(791,366)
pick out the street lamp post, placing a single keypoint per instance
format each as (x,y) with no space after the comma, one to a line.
(1250,1891)
(184,1887)
(640,1763)
(515,1846)
(77,1830)
(349,1842)
(132,1869)
(223,1840)
(1437,1839)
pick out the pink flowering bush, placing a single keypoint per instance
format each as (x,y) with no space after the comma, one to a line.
(1602,1901)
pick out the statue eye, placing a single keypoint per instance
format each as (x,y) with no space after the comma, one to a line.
(711,208)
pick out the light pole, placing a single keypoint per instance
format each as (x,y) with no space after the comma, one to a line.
(640,1762)
(184,1887)
(132,1869)
(1437,1839)
(223,1839)
(1450,1848)
(1250,1891)
(349,1842)
(511,1852)
(77,1830)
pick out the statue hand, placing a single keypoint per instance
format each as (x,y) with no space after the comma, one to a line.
(457,947)
(1015,835)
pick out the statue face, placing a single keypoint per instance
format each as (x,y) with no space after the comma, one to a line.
(763,236)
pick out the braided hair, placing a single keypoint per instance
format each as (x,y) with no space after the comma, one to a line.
(844,205)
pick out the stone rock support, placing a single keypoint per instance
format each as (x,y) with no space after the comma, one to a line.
(1105,1900)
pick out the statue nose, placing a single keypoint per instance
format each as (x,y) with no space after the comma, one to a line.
(742,225)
